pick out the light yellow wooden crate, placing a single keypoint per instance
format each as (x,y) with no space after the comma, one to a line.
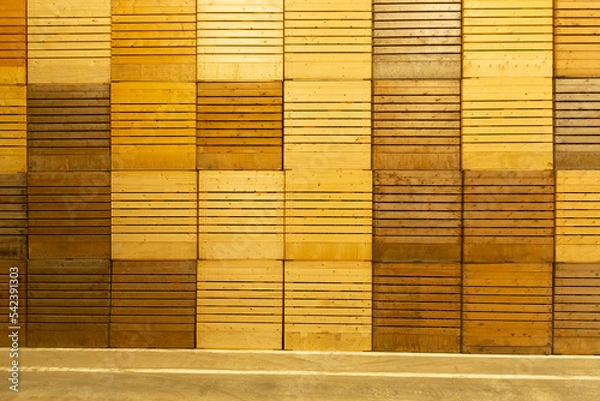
(507,123)
(327,124)
(69,41)
(153,125)
(328,215)
(240,304)
(240,41)
(328,305)
(577,216)
(154,215)
(241,214)
(13,129)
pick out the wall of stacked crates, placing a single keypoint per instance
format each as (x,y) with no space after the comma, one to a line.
(352,175)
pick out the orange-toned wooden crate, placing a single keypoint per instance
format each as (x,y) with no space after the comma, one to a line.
(13,41)
(13,129)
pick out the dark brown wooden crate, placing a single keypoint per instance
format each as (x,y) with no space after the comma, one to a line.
(13,216)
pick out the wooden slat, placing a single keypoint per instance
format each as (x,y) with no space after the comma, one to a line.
(240,125)
(13,216)
(13,283)
(327,305)
(13,129)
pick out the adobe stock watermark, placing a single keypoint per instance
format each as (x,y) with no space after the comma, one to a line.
(14,327)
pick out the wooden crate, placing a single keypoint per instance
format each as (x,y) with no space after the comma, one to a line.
(68,303)
(577,123)
(153,126)
(240,214)
(417,216)
(576,38)
(13,129)
(7,273)
(153,40)
(240,304)
(153,304)
(154,215)
(416,307)
(13,216)
(327,124)
(240,41)
(416,39)
(328,215)
(240,125)
(508,217)
(328,40)
(507,308)
(577,216)
(507,123)
(68,127)
(577,309)
(327,305)
(507,39)
(68,41)
(416,124)
(69,215)
(13,41)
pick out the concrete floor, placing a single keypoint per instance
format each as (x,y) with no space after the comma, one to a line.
(119,374)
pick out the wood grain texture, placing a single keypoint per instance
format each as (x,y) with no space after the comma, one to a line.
(13,216)
(13,129)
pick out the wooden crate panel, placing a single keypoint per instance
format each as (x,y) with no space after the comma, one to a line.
(327,124)
(577,123)
(68,127)
(576,27)
(13,41)
(416,307)
(577,216)
(508,217)
(507,308)
(240,125)
(328,215)
(153,126)
(240,304)
(240,214)
(13,129)
(72,34)
(416,39)
(68,302)
(154,40)
(240,41)
(577,309)
(13,216)
(327,305)
(507,39)
(69,215)
(507,123)
(328,40)
(13,273)
(153,304)
(416,124)
(417,216)
(154,215)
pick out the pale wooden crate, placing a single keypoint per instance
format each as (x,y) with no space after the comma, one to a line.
(576,38)
(328,214)
(330,40)
(72,34)
(416,39)
(241,214)
(576,312)
(577,216)
(327,124)
(507,123)
(240,125)
(154,41)
(153,125)
(416,124)
(239,304)
(503,38)
(13,129)
(507,308)
(240,41)
(154,215)
(328,305)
